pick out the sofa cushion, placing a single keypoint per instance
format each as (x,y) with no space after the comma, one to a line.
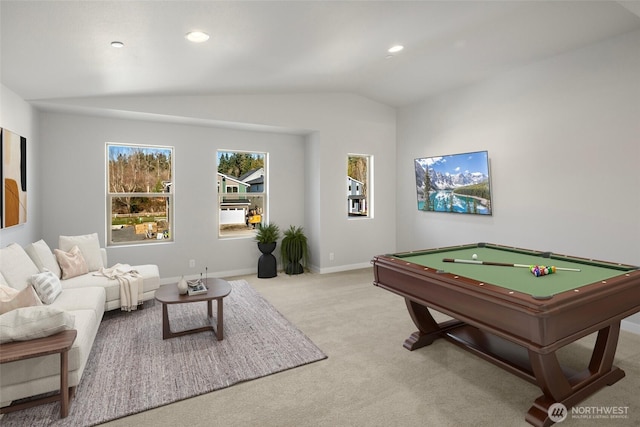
(11,299)
(27,323)
(84,298)
(150,282)
(47,285)
(16,266)
(89,246)
(111,287)
(43,257)
(72,263)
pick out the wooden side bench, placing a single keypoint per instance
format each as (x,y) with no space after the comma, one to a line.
(59,343)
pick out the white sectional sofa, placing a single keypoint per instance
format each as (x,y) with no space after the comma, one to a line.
(84,297)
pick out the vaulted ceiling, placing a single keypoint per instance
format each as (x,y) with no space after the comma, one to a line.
(61,49)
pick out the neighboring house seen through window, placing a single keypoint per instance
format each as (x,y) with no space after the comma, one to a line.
(139,194)
(242,198)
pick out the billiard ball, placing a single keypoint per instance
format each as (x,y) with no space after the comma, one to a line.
(474,256)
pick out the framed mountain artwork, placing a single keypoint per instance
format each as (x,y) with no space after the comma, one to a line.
(456,183)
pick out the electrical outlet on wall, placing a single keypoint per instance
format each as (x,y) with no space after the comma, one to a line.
(192,263)
(330,256)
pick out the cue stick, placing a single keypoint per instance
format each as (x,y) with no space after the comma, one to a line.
(501,264)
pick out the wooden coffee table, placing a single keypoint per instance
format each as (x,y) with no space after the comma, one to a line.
(168,294)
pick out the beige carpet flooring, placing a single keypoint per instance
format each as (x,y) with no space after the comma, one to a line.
(369,379)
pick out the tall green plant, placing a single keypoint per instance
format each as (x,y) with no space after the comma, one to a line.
(294,250)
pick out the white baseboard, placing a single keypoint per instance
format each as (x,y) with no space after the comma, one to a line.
(247,271)
(342,268)
(625,325)
(229,273)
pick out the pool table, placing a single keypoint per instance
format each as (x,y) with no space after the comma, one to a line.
(514,319)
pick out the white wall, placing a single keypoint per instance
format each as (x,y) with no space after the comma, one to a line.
(333,125)
(563,137)
(74,189)
(560,134)
(19,117)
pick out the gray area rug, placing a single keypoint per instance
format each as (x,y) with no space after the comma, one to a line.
(132,369)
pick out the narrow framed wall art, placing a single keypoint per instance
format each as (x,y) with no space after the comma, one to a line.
(13,191)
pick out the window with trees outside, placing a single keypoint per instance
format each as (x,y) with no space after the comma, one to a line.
(359,168)
(242,196)
(139,194)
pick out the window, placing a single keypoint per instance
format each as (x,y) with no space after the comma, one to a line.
(359,168)
(242,197)
(139,194)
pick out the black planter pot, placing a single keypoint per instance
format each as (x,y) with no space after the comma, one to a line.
(293,267)
(267,264)
(293,264)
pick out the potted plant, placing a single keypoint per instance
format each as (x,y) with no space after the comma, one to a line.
(267,237)
(294,250)
(269,233)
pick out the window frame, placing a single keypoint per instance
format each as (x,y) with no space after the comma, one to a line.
(353,198)
(168,193)
(249,231)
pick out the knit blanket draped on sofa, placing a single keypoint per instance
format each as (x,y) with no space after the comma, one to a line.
(130,284)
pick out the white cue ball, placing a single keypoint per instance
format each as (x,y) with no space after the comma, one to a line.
(474,256)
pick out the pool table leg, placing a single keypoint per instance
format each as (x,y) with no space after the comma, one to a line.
(428,329)
(571,391)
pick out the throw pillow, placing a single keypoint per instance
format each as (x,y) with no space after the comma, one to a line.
(89,246)
(47,285)
(24,298)
(7,293)
(43,257)
(28,323)
(16,266)
(72,263)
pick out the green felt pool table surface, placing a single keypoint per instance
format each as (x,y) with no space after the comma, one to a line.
(516,278)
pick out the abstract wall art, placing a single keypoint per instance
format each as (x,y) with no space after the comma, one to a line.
(13,191)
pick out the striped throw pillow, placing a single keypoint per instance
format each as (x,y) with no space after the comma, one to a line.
(47,286)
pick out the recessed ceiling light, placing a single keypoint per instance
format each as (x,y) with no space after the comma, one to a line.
(117,44)
(395,49)
(197,36)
